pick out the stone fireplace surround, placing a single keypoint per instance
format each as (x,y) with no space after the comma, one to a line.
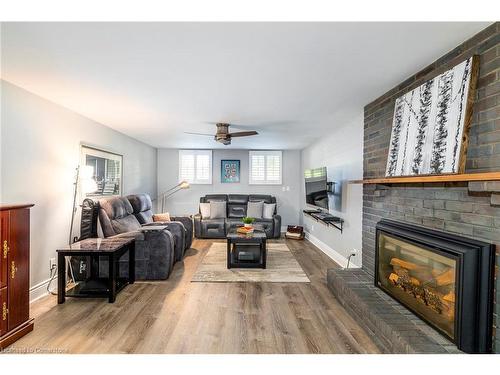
(469,209)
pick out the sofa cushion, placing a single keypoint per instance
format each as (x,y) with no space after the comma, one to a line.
(266,225)
(115,215)
(205,210)
(213,228)
(161,217)
(214,197)
(268,210)
(261,197)
(237,199)
(142,207)
(236,211)
(254,209)
(237,205)
(217,210)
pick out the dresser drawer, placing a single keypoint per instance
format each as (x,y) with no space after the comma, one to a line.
(4,306)
(4,247)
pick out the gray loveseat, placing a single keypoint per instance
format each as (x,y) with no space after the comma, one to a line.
(156,251)
(236,209)
(142,210)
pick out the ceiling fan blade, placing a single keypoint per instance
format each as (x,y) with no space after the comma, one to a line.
(204,134)
(243,134)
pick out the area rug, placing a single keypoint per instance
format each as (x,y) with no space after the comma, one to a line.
(281,267)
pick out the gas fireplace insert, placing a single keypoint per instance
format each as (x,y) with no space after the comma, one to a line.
(445,279)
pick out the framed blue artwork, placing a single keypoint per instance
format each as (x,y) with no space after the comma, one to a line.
(229,171)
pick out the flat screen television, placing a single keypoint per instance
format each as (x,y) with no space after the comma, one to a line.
(316,187)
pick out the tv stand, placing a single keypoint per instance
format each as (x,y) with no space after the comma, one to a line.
(326,218)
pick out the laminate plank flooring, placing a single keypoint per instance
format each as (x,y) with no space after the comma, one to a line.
(178,316)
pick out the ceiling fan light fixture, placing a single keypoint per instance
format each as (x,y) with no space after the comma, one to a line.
(223,136)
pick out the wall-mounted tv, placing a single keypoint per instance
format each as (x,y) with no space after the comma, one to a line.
(316,187)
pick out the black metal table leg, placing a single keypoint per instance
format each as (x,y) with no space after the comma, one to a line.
(61,278)
(264,253)
(131,263)
(228,254)
(112,278)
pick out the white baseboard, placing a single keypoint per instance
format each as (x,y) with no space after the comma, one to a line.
(40,290)
(336,256)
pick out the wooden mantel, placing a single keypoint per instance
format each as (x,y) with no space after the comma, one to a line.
(463,177)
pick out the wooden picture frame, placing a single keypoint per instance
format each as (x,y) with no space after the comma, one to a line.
(430,129)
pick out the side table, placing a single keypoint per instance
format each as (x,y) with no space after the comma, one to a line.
(95,286)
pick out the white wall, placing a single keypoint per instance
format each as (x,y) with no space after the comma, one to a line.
(40,144)
(186,201)
(341,151)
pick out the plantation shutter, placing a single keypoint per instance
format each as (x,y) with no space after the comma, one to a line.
(195,166)
(265,167)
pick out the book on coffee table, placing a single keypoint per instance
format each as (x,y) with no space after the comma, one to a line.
(244,230)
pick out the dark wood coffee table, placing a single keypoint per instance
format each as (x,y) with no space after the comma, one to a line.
(246,250)
(95,286)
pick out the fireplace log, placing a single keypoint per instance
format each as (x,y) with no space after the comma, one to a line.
(394,278)
(445,278)
(405,264)
(450,297)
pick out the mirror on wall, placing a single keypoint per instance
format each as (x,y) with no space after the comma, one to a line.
(103,167)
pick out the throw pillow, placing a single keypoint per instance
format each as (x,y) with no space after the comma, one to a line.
(254,209)
(205,210)
(217,210)
(268,211)
(161,217)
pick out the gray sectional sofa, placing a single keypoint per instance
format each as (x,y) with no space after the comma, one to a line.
(236,209)
(157,250)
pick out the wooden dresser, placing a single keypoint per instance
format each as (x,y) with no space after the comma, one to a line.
(15,321)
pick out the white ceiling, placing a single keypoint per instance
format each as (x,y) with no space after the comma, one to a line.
(290,81)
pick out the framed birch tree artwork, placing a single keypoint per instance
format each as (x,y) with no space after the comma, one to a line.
(430,124)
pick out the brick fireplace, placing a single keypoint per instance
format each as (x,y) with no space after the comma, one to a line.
(467,210)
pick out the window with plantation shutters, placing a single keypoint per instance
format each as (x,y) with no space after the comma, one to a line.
(195,166)
(265,167)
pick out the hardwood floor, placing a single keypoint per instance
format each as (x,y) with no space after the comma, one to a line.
(177,316)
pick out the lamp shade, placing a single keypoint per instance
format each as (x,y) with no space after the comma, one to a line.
(184,185)
(88,186)
(86,172)
(87,182)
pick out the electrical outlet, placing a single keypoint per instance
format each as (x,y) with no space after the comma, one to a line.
(354,252)
(52,263)
(312,227)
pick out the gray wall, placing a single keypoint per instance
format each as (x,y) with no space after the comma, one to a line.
(186,201)
(40,144)
(342,153)
(449,207)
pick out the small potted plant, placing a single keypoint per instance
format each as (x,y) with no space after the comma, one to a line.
(247,222)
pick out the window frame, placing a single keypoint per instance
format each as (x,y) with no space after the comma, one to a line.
(196,181)
(265,154)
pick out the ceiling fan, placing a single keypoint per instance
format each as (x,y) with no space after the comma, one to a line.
(223,136)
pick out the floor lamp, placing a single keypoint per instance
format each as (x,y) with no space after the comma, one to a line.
(84,180)
(180,186)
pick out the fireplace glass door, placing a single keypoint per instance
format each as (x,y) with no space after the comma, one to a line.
(421,279)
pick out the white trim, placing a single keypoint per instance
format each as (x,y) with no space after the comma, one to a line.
(334,255)
(40,290)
